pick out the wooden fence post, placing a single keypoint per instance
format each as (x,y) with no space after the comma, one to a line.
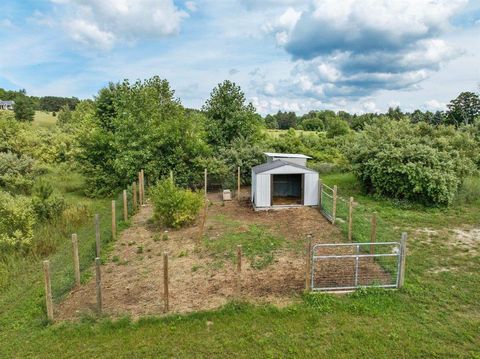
(165,282)
(114,221)
(125,206)
(334,206)
(202,224)
(205,182)
(403,257)
(76,260)
(350,218)
(143,186)
(308,263)
(373,236)
(238,183)
(98,285)
(239,271)
(134,196)
(171,176)
(97,235)
(320,191)
(140,197)
(48,289)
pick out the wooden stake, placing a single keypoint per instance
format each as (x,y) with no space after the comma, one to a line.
(140,198)
(350,218)
(134,195)
(308,263)
(76,260)
(205,182)
(48,289)
(334,207)
(125,206)
(239,271)
(171,176)
(143,186)
(98,285)
(165,282)
(114,221)
(238,183)
(403,257)
(373,235)
(202,224)
(97,235)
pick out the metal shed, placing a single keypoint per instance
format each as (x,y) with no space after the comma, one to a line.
(284,183)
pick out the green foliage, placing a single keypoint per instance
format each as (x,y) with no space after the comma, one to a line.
(317,145)
(17,173)
(17,219)
(413,162)
(138,126)
(24,109)
(469,191)
(173,206)
(46,204)
(228,116)
(53,103)
(464,109)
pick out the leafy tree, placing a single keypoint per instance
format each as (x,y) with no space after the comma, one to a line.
(229,116)
(336,127)
(139,126)
(395,113)
(414,162)
(54,104)
(24,109)
(271,122)
(464,109)
(286,120)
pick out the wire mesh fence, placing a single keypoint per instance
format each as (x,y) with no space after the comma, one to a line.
(62,264)
(347,266)
(327,202)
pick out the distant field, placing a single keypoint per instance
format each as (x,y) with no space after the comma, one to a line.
(44,119)
(276,133)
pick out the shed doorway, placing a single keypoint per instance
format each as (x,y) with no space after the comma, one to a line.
(287,189)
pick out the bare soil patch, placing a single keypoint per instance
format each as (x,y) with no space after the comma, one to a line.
(133,275)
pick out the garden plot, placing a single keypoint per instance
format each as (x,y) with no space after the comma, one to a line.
(202,271)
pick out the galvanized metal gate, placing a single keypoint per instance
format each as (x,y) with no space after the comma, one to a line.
(348,266)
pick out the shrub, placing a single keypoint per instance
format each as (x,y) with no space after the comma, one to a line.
(17,219)
(174,206)
(17,173)
(47,205)
(413,162)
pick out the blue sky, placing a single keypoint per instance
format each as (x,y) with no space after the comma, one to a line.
(354,55)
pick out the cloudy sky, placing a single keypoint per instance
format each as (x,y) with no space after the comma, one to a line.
(355,55)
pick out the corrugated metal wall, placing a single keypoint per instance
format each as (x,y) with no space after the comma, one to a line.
(311,189)
(262,191)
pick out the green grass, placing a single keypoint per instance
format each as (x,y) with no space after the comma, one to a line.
(277,133)
(44,119)
(436,314)
(258,245)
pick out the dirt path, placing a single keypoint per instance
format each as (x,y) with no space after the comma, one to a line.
(133,278)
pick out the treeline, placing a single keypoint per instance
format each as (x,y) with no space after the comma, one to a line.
(462,110)
(25,105)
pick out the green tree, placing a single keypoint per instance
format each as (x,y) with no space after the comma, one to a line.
(229,116)
(464,109)
(24,109)
(139,126)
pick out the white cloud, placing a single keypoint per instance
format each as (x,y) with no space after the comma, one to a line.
(353,48)
(103,23)
(434,105)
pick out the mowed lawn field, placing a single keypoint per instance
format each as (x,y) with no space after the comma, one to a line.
(436,314)
(44,119)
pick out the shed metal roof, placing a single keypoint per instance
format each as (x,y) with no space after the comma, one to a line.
(265,167)
(286,155)
(7,103)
